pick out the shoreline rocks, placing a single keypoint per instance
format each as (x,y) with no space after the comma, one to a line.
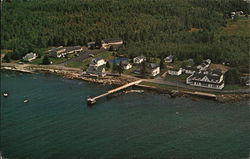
(232,98)
(117,80)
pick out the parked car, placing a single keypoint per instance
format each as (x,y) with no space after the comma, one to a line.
(91,55)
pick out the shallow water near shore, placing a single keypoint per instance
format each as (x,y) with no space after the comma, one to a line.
(56,123)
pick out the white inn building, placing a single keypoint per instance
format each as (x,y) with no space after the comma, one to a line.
(208,79)
(139,59)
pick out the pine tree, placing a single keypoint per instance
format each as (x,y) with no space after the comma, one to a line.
(162,63)
(143,68)
(120,68)
(46,60)
(98,43)
(114,68)
(6,58)
(108,65)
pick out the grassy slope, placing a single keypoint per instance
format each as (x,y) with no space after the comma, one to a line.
(239,27)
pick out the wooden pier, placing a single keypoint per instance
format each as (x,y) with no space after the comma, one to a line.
(93,100)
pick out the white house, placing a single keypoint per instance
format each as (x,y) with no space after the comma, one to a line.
(91,45)
(63,51)
(175,72)
(153,69)
(96,71)
(126,65)
(106,43)
(207,62)
(202,67)
(139,59)
(169,59)
(29,57)
(96,62)
(208,79)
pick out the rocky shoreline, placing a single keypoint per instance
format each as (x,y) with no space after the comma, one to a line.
(71,73)
(75,73)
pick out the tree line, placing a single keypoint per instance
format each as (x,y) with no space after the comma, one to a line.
(154,28)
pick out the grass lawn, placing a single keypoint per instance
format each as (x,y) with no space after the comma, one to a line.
(76,64)
(80,64)
(84,64)
(37,61)
(181,78)
(164,86)
(239,27)
(57,60)
(167,87)
(107,55)
(234,87)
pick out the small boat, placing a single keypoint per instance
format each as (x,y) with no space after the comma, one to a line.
(5,94)
(26,100)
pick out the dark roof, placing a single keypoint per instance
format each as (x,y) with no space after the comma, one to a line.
(153,65)
(197,76)
(72,48)
(66,49)
(141,57)
(98,58)
(112,40)
(125,62)
(57,48)
(174,69)
(91,43)
(217,71)
(169,57)
(206,63)
(191,68)
(203,65)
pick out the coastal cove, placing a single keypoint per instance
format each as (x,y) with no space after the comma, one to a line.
(56,122)
(228,96)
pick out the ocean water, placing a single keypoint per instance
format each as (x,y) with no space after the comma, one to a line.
(56,123)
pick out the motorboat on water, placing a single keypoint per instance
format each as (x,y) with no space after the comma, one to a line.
(5,94)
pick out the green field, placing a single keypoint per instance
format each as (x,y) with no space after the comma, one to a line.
(240,27)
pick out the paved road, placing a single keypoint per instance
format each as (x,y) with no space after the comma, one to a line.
(27,66)
(83,55)
(160,80)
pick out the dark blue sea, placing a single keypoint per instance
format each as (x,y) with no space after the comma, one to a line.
(56,123)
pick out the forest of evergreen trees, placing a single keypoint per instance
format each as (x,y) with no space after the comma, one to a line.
(150,27)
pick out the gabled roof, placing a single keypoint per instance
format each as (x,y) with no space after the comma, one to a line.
(71,48)
(169,57)
(91,43)
(210,75)
(30,55)
(125,62)
(175,69)
(203,65)
(57,49)
(191,68)
(153,65)
(112,40)
(98,58)
(141,57)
